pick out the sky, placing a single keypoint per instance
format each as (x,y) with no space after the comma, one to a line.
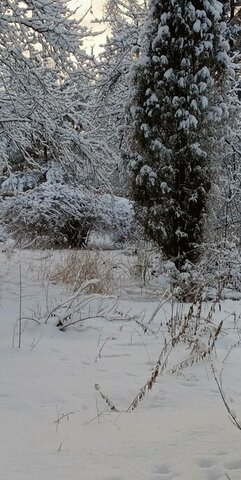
(97,7)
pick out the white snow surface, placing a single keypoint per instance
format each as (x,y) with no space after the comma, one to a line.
(181,430)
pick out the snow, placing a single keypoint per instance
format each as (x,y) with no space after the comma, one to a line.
(145,129)
(202,87)
(152,100)
(197,150)
(215,114)
(163,59)
(197,26)
(168,74)
(147,171)
(181,82)
(204,101)
(50,427)
(163,32)
(189,122)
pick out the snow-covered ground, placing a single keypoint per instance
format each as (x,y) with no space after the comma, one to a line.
(55,425)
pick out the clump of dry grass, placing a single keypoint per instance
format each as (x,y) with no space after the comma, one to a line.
(142,266)
(78,267)
(145,265)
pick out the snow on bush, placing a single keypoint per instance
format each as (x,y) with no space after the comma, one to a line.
(55,214)
(115,217)
(51,214)
(21,181)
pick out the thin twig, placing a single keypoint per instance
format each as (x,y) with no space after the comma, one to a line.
(98,356)
(231,413)
(106,399)
(61,417)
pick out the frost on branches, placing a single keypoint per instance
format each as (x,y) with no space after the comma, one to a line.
(50,215)
(122,46)
(176,113)
(44,92)
(54,214)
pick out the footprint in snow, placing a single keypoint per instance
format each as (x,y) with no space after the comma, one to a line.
(207,462)
(164,472)
(115,478)
(163,469)
(234,465)
(213,471)
(188,383)
(216,473)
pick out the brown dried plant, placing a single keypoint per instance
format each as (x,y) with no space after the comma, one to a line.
(78,267)
(192,328)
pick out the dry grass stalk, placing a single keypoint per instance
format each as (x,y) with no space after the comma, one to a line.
(231,413)
(80,266)
(200,334)
(99,355)
(144,266)
(61,416)
(70,304)
(158,370)
(106,399)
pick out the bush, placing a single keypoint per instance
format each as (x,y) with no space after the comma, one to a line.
(50,215)
(219,270)
(60,215)
(115,216)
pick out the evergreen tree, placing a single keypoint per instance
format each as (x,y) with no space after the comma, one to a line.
(176,112)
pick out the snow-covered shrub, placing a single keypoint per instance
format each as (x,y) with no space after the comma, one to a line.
(115,217)
(55,214)
(21,181)
(223,265)
(219,270)
(51,214)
